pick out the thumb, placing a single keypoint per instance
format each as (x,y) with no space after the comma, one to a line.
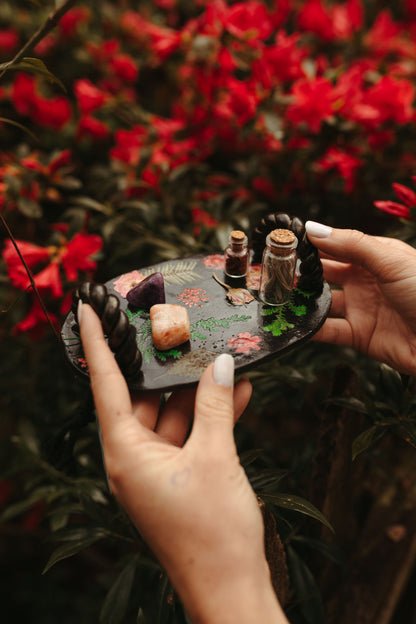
(214,409)
(352,246)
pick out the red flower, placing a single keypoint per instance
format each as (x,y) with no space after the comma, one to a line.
(161,42)
(89,97)
(76,255)
(70,22)
(393,208)
(339,21)
(201,218)
(398,210)
(313,103)
(314,18)
(124,67)
(239,103)
(49,112)
(73,256)
(344,162)
(35,323)
(9,41)
(93,128)
(249,20)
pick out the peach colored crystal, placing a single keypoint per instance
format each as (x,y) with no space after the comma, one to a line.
(170,325)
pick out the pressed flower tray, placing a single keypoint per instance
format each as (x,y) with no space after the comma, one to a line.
(253,333)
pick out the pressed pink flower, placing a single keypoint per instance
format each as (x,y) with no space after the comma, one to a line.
(215,261)
(127,281)
(244,343)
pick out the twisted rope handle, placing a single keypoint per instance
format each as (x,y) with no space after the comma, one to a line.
(311,270)
(120,333)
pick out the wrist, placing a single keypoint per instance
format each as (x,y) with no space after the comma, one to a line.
(222,596)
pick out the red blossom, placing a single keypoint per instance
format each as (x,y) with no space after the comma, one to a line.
(76,255)
(35,323)
(9,41)
(70,22)
(92,128)
(73,256)
(330,23)
(201,218)
(124,67)
(313,103)
(343,162)
(89,97)
(249,20)
(393,208)
(162,41)
(405,194)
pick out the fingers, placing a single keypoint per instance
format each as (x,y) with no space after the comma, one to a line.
(111,394)
(176,417)
(373,253)
(336,331)
(108,385)
(214,408)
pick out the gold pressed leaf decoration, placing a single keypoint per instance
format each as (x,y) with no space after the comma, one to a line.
(175,272)
(237,296)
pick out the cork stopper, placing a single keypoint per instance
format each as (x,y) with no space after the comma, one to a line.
(237,236)
(282,237)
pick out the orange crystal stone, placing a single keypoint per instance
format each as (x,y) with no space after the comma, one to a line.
(170,325)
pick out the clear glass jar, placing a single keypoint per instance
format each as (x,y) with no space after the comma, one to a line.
(278,267)
(236,255)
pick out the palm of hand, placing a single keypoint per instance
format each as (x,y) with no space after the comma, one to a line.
(371,316)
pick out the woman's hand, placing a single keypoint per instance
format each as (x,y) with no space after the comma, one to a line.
(375,309)
(188,496)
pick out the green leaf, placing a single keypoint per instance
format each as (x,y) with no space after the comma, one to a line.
(366,438)
(407,431)
(70,549)
(308,596)
(117,600)
(350,403)
(330,551)
(296,503)
(391,383)
(32,65)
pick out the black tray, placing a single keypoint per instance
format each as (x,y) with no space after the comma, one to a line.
(252,333)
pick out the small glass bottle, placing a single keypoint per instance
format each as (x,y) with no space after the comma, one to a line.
(278,267)
(236,255)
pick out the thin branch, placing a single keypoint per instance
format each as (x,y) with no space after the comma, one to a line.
(30,276)
(51,21)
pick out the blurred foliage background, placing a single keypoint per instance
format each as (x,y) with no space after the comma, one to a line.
(138,131)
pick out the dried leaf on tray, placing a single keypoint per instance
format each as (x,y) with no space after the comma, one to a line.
(237,296)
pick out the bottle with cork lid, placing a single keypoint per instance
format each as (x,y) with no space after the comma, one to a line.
(278,267)
(236,255)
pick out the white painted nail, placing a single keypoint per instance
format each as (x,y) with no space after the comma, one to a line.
(79,311)
(224,370)
(317,229)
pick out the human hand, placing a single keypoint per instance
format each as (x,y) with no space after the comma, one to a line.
(189,497)
(375,310)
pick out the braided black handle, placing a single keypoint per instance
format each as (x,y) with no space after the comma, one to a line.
(116,325)
(311,271)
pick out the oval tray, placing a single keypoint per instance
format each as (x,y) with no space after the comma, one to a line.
(252,333)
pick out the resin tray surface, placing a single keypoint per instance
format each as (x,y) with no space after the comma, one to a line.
(251,333)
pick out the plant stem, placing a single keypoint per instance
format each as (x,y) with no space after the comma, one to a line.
(50,23)
(29,274)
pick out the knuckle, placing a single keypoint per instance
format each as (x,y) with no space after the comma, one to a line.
(214,406)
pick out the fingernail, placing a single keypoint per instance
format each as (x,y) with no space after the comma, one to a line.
(317,229)
(79,311)
(224,370)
